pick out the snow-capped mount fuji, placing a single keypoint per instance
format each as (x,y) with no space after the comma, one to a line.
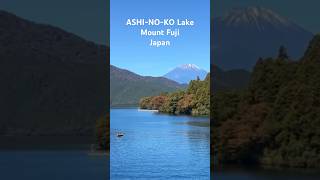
(189,66)
(185,73)
(259,17)
(244,34)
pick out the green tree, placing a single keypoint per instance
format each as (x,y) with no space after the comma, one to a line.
(283,53)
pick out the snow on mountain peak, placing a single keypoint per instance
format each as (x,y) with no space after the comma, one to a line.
(185,73)
(255,15)
(189,66)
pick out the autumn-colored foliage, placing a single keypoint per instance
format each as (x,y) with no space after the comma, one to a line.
(195,100)
(276,120)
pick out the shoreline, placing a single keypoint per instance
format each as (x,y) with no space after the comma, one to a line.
(99,153)
(261,168)
(148,110)
(181,114)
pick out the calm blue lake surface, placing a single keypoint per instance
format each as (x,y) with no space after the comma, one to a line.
(52,165)
(158,146)
(242,173)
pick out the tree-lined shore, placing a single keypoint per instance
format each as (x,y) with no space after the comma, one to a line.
(195,100)
(276,120)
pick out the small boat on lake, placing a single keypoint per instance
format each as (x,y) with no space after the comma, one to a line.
(120,134)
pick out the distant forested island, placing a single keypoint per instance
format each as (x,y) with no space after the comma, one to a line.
(195,100)
(275,121)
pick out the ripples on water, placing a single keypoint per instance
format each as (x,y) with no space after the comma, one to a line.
(254,173)
(52,165)
(158,146)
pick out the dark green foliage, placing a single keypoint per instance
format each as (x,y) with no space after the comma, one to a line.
(171,103)
(276,121)
(225,105)
(201,96)
(283,53)
(229,80)
(193,101)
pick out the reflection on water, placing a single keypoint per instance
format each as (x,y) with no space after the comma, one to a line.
(158,146)
(254,173)
(52,165)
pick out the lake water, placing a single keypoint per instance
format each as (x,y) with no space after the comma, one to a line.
(242,173)
(52,165)
(158,146)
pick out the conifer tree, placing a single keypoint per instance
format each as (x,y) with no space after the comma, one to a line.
(283,53)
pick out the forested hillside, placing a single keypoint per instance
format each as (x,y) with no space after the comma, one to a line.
(276,120)
(195,100)
(52,82)
(126,88)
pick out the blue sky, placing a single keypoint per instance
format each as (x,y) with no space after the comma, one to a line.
(131,51)
(90,19)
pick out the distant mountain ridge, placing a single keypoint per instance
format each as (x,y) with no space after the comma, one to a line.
(52,81)
(185,73)
(236,79)
(245,34)
(127,88)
